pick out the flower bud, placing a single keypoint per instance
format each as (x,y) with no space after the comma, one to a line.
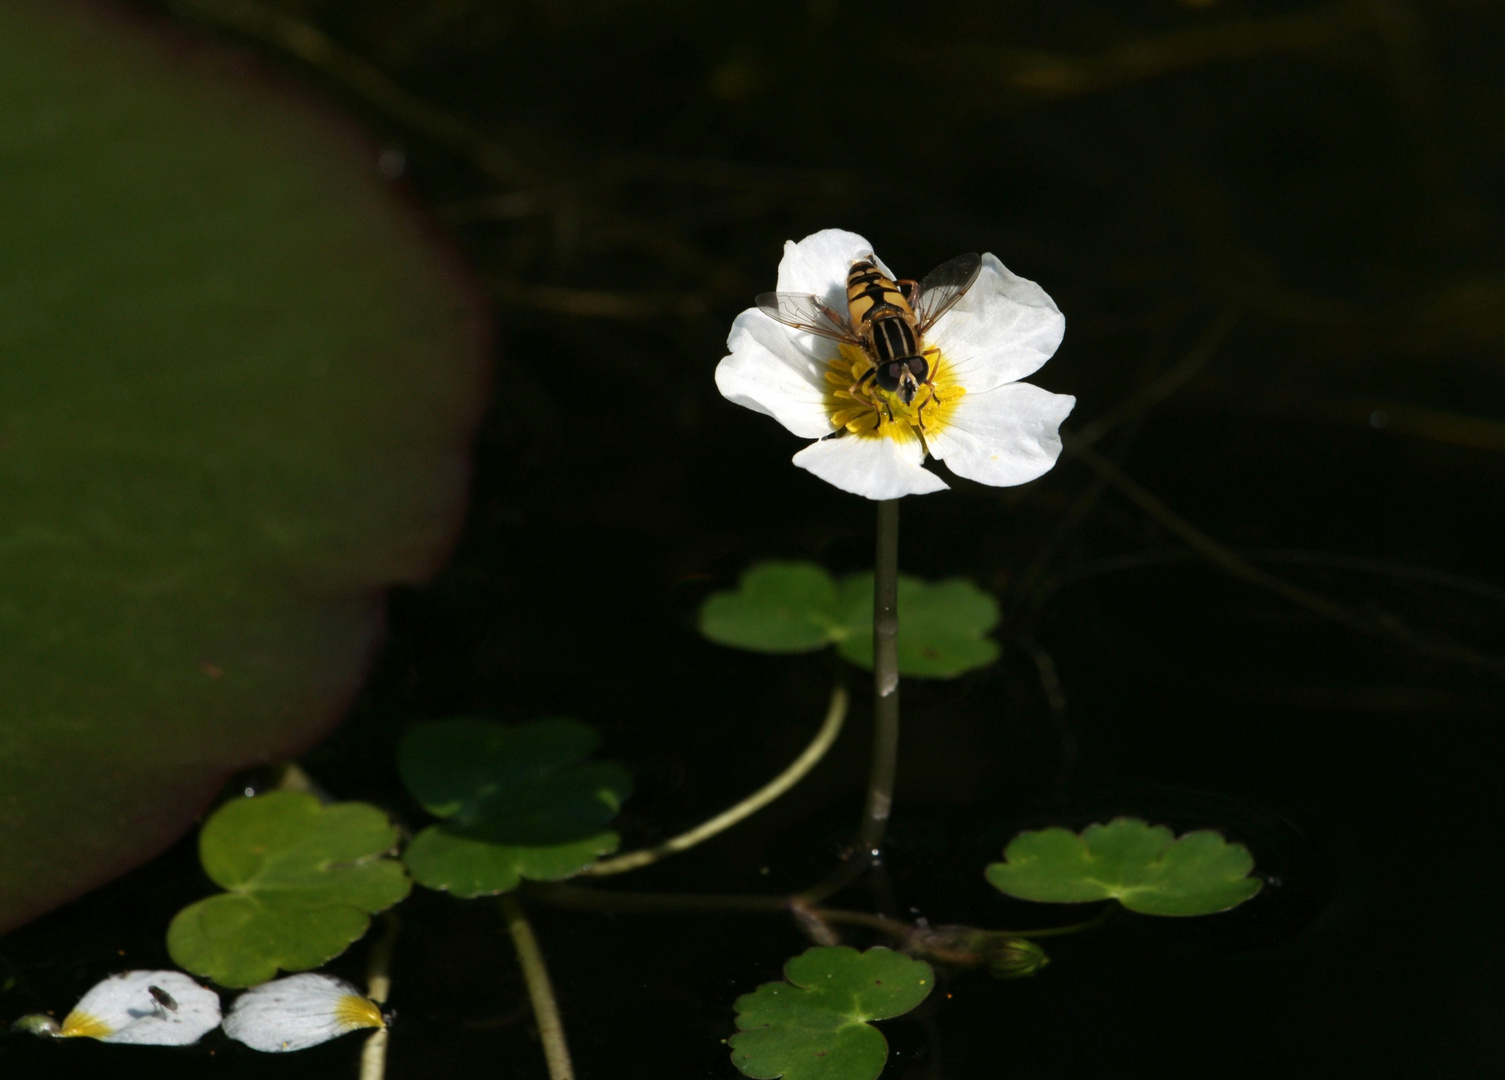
(1015,958)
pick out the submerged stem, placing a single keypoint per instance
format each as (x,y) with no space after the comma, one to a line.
(540,991)
(880,787)
(378,987)
(831,727)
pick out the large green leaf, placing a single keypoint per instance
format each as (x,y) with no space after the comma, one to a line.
(519,801)
(1144,867)
(301,880)
(815,1026)
(236,386)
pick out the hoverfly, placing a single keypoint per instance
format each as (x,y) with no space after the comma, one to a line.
(886,319)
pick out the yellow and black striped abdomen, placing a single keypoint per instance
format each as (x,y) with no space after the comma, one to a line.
(872,294)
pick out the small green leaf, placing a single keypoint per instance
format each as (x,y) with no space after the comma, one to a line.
(1143,867)
(796,607)
(779,607)
(301,881)
(518,801)
(815,1026)
(943,625)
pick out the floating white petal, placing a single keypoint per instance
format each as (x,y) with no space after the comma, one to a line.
(157,1008)
(298,1012)
(977,417)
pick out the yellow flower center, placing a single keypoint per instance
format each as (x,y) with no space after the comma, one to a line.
(856,401)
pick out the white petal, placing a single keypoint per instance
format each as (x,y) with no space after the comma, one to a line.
(122,1009)
(872,468)
(1000,331)
(818,264)
(772,371)
(298,1012)
(1004,436)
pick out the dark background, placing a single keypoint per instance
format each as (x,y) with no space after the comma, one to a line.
(1265,600)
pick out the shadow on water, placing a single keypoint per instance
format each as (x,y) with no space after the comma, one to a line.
(1262,596)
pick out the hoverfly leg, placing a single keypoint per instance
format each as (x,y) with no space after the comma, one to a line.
(908,288)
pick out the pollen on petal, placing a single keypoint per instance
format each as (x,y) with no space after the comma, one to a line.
(356,1011)
(82,1025)
(128,1008)
(298,1012)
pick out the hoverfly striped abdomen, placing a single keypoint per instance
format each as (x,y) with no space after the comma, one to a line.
(881,313)
(872,294)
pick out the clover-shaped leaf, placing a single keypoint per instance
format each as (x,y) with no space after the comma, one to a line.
(797,607)
(1144,867)
(942,625)
(518,801)
(779,607)
(815,1026)
(301,881)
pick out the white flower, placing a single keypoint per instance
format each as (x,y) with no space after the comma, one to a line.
(161,1008)
(977,417)
(298,1012)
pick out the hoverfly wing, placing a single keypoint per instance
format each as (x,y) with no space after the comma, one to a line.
(806,312)
(943,287)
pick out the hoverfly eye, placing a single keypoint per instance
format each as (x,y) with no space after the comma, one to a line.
(919,367)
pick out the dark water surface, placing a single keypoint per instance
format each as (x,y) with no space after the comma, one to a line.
(1302,199)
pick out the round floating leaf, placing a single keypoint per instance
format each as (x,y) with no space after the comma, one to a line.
(943,625)
(237,384)
(519,801)
(1144,867)
(301,879)
(815,1026)
(793,607)
(778,607)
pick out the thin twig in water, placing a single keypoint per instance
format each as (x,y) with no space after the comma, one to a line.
(1229,561)
(830,728)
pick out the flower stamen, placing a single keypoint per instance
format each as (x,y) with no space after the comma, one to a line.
(863,408)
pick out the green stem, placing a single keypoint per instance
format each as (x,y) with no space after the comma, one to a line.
(885,759)
(831,727)
(880,786)
(540,991)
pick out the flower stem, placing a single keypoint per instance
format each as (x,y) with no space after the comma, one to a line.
(831,727)
(540,991)
(880,786)
(378,987)
(885,760)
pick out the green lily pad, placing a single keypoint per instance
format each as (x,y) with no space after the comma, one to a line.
(943,626)
(1144,867)
(815,1026)
(237,384)
(778,607)
(520,801)
(794,607)
(301,881)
